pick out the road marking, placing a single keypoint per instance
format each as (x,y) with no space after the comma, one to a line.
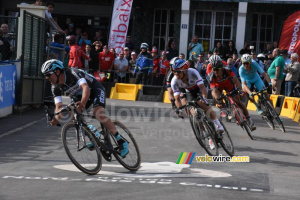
(154,170)
(21,128)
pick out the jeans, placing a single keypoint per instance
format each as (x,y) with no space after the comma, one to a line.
(289,87)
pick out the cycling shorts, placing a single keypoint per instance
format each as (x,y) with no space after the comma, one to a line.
(257,82)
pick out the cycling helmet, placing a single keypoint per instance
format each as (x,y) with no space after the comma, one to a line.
(261,55)
(144,46)
(246,58)
(70,38)
(51,65)
(154,50)
(172,61)
(214,58)
(180,65)
(217,64)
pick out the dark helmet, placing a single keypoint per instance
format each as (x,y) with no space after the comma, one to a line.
(70,38)
(217,64)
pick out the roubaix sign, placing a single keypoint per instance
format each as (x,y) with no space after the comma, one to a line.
(119,24)
(290,34)
(8,77)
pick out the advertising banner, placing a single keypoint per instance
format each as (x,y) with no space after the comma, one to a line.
(8,77)
(290,34)
(119,24)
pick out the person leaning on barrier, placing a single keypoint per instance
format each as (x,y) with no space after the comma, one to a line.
(50,19)
(144,65)
(121,67)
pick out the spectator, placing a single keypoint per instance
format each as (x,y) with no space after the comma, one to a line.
(171,48)
(268,61)
(113,50)
(127,54)
(98,47)
(209,54)
(246,49)
(284,54)
(99,38)
(236,61)
(182,56)
(8,37)
(164,66)
(84,40)
(199,63)
(275,71)
(132,66)
(144,65)
(292,76)
(231,66)
(255,59)
(268,49)
(129,44)
(58,43)
(154,77)
(78,34)
(91,65)
(4,47)
(194,46)
(121,67)
(275,44)
(51,21)
(75,53)
(219,48)
(230,50)
(37,3)
(71,29)
(106,60)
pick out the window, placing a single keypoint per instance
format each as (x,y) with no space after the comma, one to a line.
(163,28)
(262,30)
(212,26)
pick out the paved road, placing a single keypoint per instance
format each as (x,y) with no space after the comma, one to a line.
(35,166)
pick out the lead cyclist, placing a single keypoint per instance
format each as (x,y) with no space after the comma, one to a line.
(85,89)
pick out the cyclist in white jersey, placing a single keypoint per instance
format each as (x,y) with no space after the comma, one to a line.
(191,81)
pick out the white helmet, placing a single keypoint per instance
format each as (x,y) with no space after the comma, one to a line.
(144,46)
(172,61)
(246,58)
(51,65)
(214,58)
(261,55)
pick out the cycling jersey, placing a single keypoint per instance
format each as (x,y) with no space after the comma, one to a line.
(169,78)
(74,78)
(251,77)
(223,83)
(194,80)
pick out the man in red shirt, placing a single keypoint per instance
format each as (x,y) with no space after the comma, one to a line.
(154,77)
(106,59)
(75,53)
(164,66)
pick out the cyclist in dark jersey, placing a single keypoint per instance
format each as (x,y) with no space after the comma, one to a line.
(85,90)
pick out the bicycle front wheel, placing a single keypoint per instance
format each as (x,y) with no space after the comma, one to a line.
(275,116)
(196,129)
(82,148)
(207,135)
(226,142)
(132,160)
(267,116)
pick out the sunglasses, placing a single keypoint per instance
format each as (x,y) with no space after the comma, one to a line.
(218,69)
(48,74)
(246,63)
(177,71)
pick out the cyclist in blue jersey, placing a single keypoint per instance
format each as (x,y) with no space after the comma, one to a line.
(249,77)
(85,90)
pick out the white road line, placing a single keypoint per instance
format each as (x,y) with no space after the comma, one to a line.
(21,128)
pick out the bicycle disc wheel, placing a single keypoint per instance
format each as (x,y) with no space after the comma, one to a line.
(226,142)
(132,160)
(87,159)
(205,136)
(276,118)
(196,129)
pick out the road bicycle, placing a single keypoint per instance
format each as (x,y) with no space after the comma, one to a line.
(269,113)
(235,111)
(204,130)
(85,149)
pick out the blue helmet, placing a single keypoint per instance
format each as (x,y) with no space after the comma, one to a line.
(51,65)
(180,65)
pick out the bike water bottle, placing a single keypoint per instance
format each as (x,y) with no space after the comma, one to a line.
(94,130)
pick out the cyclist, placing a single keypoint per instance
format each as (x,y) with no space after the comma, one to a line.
(223,78)
(213,58)
(249,77)
(85,90)
(191,81)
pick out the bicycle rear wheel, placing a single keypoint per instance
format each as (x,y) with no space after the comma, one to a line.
(132,160)
(88,159)
(267,116)
(226,142)
(241,119)
(276,118)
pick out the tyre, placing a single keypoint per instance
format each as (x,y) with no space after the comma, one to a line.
(132,160)
(248,129)
(196,129)
(205,136)
(267,116)
(276,118)
(87,159)
(226,142)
